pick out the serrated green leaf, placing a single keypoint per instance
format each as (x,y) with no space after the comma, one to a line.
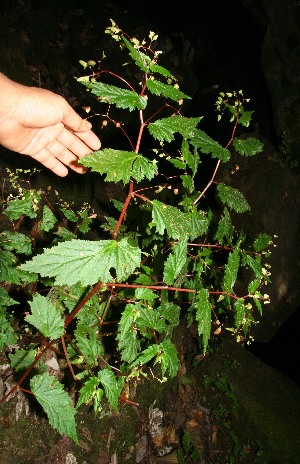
(22,359)
(144,62)
(122,98)
(248,147)
(192,159)
(178,163)
(141,60)
(225,228)
(245,118)
(8,264)
(88,391)
(65,234)
(70,296)
(156,68)
(165,90)
(145,294)
(231,270)
(253,286)
(175,261)
(232,198)
(148,354)
(209,146)
(150,319)
(170,312)
(112,386)
(27,206)
(86,261)
(170,218)
(198,224)
(239,312)
(69,214)
(45,317)
(5,299)
(168,358)
(164,129)
(7,334)
(254,263)
(128,343)
(119,165)
(15,241)
(48,220)
(258,305)
(261,242)
(203,316)
(89,344)
(56,403)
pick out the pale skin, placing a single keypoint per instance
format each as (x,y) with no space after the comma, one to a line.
(41,124)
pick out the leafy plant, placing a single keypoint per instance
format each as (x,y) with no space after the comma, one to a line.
(160,263)
(188,453)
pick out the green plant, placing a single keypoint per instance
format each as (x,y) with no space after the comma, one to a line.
(188,453)
(160,264)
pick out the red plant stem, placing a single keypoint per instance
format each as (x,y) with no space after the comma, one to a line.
(25,391)
(125,206)
(172,289)
(218,164)
(80,305)
(142,197)
(67,357)
(219,247)
(209,183)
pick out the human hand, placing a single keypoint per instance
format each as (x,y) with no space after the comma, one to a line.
(41,124)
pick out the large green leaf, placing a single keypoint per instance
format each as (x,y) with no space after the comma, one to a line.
(209,146)
(164,129)
(45,317)
(119,165)
(232,198)
(165,90)
(86,261)
(122,98)
(56,403)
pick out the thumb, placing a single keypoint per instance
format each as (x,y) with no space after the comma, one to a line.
(73,121)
